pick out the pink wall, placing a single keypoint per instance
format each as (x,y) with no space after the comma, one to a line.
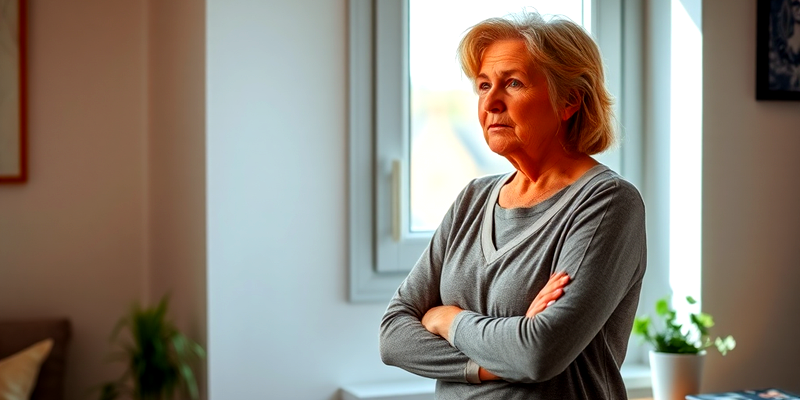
(176,161)
(114,209)
(72,239)
(751,193)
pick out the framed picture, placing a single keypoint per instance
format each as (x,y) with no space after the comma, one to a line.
(13,119)
(778,50)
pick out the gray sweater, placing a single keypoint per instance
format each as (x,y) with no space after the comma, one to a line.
(594,231)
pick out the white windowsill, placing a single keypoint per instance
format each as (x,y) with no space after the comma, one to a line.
(636,377)
(414,388)
(637,380)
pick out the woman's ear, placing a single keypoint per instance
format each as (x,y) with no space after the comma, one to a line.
(572,106)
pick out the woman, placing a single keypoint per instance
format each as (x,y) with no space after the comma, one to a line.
(529,286)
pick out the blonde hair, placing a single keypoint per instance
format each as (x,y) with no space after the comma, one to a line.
(571,63)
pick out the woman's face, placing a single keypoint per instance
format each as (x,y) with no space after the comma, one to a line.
(513,102)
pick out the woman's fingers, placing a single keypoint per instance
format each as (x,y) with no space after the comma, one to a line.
(557,280)
(549,294)
(543,301)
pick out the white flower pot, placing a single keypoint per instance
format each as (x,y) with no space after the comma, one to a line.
(675,375)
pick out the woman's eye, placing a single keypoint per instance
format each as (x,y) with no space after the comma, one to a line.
(514,83)
(483,86)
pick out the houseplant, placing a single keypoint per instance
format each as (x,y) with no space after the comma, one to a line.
(678,351)
(160,359)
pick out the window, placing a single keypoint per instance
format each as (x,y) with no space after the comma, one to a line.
(393,206)
(653,55)
(686,145)
(446,146)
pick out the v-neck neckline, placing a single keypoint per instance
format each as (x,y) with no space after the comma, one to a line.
(492,253)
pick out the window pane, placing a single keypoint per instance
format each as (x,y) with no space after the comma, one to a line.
(447,147)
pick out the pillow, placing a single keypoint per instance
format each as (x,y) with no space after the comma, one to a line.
(19,371)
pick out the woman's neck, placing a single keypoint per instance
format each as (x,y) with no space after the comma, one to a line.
(535,182)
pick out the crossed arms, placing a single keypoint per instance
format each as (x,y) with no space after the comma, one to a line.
(599,263)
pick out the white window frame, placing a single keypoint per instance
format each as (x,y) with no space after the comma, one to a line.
(381,248)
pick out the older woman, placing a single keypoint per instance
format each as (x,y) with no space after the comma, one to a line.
(529,286)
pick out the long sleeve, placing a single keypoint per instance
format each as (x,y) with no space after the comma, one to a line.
(601,245)
(404,342)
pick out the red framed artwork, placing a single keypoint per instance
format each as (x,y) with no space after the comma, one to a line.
(13,100)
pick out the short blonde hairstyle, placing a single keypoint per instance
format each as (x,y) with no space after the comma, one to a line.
(571,63)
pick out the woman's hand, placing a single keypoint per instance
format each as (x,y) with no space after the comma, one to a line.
(485,375)
(549,294)
(438,320)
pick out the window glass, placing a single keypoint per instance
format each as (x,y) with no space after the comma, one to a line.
(446,142)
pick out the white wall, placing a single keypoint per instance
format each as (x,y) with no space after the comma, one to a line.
(72,239)
(751,193)
(279,323)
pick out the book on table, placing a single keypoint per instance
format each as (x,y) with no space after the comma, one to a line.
(746,395)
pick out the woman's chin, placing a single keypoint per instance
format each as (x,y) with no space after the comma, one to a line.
(503,149)
(501,146)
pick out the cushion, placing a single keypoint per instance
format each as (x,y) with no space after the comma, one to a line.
(16,335)
(19,371)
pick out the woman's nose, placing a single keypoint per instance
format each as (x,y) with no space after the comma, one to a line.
(493,102)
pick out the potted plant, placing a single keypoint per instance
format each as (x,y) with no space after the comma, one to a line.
(160,360)
(678,353)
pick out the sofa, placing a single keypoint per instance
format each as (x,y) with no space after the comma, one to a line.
(19,335)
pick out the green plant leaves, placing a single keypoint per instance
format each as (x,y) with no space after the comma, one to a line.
(641,325)
(725,345)
(662,307)
(671,337)
(159,357)
(702,322)
(671,342)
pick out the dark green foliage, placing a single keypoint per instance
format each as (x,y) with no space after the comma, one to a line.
(672,338)
(159,358)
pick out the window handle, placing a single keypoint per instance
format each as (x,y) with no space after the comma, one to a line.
(397,193)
